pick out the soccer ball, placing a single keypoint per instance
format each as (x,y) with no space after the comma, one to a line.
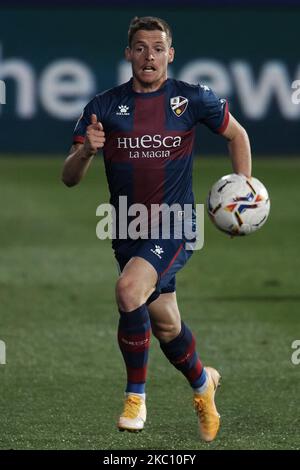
(238,205)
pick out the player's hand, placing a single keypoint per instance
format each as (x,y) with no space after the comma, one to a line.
(245,176)
(95,136)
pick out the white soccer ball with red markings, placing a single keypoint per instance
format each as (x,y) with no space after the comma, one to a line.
(238,205)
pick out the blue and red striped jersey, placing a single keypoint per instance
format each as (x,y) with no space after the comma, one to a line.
(148,151)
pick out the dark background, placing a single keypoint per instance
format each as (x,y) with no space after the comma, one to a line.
(53,60)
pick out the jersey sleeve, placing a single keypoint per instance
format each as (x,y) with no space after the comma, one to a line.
(213,110)
(84,120)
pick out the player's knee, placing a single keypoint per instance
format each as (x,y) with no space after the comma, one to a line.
(165,332)
(129,294)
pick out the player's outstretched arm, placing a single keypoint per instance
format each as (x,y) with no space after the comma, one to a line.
(81,155)
(239,147)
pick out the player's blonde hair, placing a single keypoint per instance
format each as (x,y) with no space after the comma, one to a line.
(148,23)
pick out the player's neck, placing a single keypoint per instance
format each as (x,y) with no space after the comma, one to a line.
(140,87)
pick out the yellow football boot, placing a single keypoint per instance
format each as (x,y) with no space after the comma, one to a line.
(134,415)
(204,404)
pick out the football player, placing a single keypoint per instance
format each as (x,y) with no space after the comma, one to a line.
(146,129)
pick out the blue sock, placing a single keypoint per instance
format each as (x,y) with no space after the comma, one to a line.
(181,352)
(134,340)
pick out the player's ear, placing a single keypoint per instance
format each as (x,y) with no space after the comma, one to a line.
(171,55)
(128,54)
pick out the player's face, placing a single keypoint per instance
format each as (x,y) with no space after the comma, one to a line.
(149,54)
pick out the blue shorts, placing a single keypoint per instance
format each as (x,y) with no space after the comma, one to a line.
(166,256)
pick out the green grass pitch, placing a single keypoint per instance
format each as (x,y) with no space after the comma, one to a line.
(62,385)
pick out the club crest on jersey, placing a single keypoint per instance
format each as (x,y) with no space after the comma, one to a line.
(178,105)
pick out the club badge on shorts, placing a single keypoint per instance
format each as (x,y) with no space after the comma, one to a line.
(178,105)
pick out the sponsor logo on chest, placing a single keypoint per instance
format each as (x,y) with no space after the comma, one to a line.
(149,146)
(123,110)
